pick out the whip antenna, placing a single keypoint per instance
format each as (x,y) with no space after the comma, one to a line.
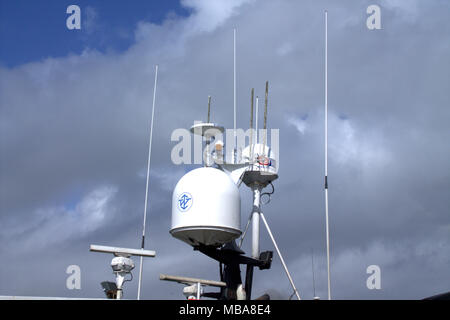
(256,121)
(234,92)
(209,108)
(251,124)
(146,185)
(265,116)
(326,154)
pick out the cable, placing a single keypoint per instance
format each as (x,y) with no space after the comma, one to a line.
(131,274)
(268,194)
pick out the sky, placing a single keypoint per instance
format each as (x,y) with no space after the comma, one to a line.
(75,109)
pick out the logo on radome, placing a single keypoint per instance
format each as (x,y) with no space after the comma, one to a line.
(185,201)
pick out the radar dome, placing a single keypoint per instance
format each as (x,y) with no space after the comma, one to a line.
(206,208)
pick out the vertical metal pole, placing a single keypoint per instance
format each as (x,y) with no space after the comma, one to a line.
(207,160)
(256,120)
(141,264)
(248,282)
(234,92)
(326,155)
(255,238)
(198,290)
(313,276)
(251,125)
(209,108)
(120,277)
(265,118)
(255,222)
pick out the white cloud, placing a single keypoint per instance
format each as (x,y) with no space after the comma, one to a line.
(170,37)
(53,225)
(299,124)
(349,144)
(167,179)
(90,20)
(285,49)
(408,10)
(210,14)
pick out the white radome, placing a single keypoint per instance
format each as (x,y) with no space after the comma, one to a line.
(206,208)
(122,264)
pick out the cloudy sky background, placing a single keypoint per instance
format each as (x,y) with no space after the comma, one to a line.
(74,121)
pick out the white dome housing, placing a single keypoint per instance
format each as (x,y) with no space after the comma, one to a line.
(206,208)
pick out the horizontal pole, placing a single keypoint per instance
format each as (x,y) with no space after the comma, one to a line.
(187,280)
(122,251)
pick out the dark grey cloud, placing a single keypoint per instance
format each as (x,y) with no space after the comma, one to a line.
(74,134)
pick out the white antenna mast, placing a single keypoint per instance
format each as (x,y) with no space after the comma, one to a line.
(251,123)
(234,93)
(146,186)
(326,153)
(256,121)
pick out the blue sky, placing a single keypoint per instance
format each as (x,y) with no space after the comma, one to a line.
(35,30)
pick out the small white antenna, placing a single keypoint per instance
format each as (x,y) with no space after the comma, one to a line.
(209,109)
(251,122)
(146,186)
(256,120)
(265,118)
(326,154)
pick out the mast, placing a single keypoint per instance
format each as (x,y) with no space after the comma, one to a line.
(234,95)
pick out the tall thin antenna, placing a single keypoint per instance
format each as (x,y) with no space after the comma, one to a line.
(141,266)
(209,108)
(234,89)
(256,121)
(326,154)
(251,123)
(265,116)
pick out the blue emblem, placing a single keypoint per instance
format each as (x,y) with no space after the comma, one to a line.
(185,201)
